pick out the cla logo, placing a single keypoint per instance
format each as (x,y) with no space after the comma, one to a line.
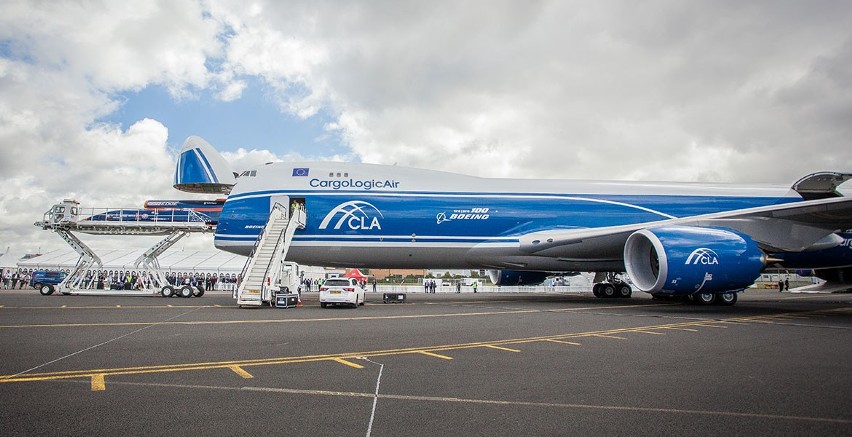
(703,256)
(356,214)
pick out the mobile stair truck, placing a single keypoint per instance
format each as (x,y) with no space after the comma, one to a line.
(67,218)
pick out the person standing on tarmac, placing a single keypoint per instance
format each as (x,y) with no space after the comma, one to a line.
(458,287)
(475,285)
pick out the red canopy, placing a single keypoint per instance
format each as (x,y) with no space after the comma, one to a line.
(355,273)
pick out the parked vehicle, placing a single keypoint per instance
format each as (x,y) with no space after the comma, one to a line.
(338,291)
(45,281)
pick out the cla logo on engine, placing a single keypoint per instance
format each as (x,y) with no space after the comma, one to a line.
(703,256)
(356,214)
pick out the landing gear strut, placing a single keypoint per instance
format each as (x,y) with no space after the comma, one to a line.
(609,285)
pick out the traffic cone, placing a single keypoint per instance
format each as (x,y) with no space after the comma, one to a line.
(299,300)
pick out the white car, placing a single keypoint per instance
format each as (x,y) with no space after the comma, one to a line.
(341,291)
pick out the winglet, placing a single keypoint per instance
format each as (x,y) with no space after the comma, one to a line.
(201,169)
(821,185)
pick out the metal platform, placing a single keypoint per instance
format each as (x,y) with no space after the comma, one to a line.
(67,217)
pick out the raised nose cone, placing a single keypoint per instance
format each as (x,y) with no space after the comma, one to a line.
(201,169)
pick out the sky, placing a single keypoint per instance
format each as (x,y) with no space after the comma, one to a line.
(96,97)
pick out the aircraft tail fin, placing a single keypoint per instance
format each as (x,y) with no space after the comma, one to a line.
(201,169)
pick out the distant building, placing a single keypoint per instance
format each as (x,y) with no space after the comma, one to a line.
(381,274)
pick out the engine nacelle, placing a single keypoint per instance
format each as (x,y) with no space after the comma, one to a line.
(513,277)
(685,260)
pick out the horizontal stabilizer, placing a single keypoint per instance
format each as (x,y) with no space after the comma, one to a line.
(201,169)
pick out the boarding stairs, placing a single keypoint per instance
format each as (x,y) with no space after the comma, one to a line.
(265,272)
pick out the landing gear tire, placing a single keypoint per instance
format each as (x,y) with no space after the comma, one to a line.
(726,299)
(607,290)
(46,290)
(198,292)
(185,291)
(624,291)
(705,298)
(596,290)
(167,291)
(356,302)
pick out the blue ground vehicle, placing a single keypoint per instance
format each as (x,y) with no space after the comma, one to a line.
(45,281)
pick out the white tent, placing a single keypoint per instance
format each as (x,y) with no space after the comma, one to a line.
(190,261)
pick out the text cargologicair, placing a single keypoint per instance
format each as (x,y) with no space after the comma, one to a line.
(360,184)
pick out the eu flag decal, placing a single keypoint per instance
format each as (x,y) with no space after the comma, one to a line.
(301,171)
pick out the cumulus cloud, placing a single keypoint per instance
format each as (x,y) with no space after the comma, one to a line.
(719,91)
(713,91)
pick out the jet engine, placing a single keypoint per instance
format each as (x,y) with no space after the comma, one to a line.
(684,260)
(514,277)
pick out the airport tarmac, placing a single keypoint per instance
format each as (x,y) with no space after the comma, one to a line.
(441,364)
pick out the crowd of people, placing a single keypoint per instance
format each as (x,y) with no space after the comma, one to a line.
(127,279)
(15,278)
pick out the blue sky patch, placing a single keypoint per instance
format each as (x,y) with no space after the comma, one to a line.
(253,121)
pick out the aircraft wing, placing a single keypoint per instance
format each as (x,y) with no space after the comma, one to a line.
(792,227)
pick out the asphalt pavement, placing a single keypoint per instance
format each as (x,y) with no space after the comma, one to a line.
(440,364)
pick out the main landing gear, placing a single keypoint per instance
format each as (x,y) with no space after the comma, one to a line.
(611,285)
(725,299)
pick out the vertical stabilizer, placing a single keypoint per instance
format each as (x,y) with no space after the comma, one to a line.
(201,169)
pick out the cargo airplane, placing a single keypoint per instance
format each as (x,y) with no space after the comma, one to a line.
(704,241)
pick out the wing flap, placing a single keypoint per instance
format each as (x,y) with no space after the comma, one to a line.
(821,185)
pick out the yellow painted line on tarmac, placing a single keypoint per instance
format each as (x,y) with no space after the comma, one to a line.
(608,336)
(500,348)
(734,322)
(240,371)
(648,332)
(573,343)
(432,354)
(321,319)
(348,363)
(680,329)
(713,325)
(98,383)
(342,358)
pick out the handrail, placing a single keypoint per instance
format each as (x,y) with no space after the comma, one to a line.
(277,207)
(278,255)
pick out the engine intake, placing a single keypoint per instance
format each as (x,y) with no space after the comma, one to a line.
(687,259)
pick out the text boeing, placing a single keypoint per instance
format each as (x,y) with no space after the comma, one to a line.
(363,184)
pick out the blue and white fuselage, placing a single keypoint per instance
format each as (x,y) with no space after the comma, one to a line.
(393,217)
(676,238)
